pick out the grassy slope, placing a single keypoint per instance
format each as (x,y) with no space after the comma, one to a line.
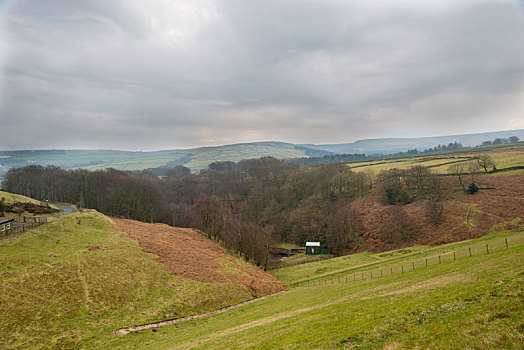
(70,284)
(11,198)
(503,157)
(472,302)
(349,265)
(200,157)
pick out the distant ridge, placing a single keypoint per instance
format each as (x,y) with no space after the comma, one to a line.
(199,158)
(393,145)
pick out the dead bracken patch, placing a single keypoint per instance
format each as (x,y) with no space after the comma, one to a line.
(188,254)
(500,201)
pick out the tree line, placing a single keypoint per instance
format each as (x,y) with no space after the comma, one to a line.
(248,205)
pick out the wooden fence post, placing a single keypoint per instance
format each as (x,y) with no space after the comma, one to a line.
(402,266)
(391,270)
(413,264)
(469,251)
(487,249)
(439,259)
(505,239)
(454,257)
(426,262)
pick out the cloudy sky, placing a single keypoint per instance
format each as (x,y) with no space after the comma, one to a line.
(163,74)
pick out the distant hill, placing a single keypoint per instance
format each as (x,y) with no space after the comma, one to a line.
(393,145)
(195,159)
(200,158)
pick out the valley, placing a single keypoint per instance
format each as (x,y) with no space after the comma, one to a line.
(397,274)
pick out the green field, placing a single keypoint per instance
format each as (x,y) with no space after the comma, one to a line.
(469,303)
(503,157)
(72,282)
(195,159)
(11,198)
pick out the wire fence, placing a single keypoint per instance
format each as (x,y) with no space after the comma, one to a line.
(366,272)
(301,262)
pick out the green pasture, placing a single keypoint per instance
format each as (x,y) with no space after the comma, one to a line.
(72,282)
(204,156)
(469,303)
(505,157)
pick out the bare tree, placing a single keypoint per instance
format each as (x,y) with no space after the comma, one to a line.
(401,222)
(458,170)
(485,161)
(345,230)
(435,212)
(473,168)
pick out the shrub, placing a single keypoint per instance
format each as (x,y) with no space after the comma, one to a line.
(473,188)
(394,193)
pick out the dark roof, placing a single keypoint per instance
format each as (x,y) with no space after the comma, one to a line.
(3,221)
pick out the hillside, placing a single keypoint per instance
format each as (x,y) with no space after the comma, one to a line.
(195,159)
(200,158)
(499,203)
(31,207)
(462,302)
(72,282)
(348,207)
(508,156)
(393,145)
(11,198)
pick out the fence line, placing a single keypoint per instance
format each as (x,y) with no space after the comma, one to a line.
(301,262)
(22,228)
(26,223)
(360,273)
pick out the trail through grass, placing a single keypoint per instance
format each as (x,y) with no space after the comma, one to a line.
(71,283)
(473,302)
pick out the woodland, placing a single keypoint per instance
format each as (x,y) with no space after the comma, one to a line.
(249,206)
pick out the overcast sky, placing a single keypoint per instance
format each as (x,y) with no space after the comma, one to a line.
(164,74)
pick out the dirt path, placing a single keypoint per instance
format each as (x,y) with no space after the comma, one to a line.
(139,328)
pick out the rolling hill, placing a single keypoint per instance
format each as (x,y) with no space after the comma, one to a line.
(394,145)
(369,301)
(72,282)
(200,158)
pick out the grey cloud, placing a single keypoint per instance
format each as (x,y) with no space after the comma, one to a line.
(170,74)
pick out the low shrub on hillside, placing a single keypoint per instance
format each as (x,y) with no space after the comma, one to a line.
(472,188)
(32,208)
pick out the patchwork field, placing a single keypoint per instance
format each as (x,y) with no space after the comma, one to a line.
(505,157)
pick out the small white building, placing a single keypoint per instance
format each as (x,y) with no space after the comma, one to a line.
(6,225)
(312,247)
